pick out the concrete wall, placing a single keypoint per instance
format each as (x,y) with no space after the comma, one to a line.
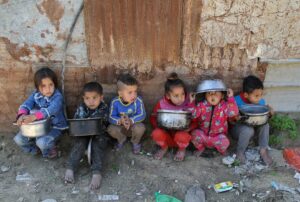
(150,39)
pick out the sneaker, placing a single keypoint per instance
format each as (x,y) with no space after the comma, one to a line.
(137,148)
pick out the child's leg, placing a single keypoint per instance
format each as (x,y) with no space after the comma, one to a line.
(220,142)
(182,139)
(137,131)
(199,139)
(162,138)
(46,143)
(263,141)
(76,154)
(116,132)
(27,144)
(243,134)
(99,144)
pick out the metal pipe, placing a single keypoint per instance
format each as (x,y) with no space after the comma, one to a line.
(279,61)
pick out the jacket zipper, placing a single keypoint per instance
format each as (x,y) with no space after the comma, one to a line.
(211,117)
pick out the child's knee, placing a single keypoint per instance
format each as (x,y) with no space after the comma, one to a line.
(20,140)
(158,133)
(138,129)
(45,142)
(182,136)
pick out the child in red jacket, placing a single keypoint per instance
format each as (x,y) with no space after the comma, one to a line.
(176,98)
(212,113)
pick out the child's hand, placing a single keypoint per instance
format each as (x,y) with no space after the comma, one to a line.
(29,118)
(192,97)
(24,119)
(229,92)
(127,122)
(20,120)
(271,113)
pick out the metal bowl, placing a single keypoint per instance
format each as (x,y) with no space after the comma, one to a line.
(254,115)
(36,128)
(211,85)
(85,127)
(172,119)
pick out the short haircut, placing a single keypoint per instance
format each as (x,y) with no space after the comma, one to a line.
(92,87)
(126,79)
(44,72)
(251,83)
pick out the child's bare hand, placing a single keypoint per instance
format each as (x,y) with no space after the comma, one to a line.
(127,122)
(271,110)
(28,119)
(192,97)
(20,120)
(229,92)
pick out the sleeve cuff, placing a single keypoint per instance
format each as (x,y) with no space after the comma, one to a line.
(39,115)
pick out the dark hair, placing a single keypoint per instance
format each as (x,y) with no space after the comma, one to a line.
(44,72)
(174,81)
(251,83)
(92,87)
(200,97)
(126,79)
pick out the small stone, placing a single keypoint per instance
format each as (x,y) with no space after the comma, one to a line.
(132,162)
(176,181)
(119,172)
(195,194)
(21,199)
(4,168)
(24,177)
(138,194)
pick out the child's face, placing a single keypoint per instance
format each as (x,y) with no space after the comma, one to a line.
(47,87)
(214,97)
(176,95)
(255,96)
(92,99)
(128,93)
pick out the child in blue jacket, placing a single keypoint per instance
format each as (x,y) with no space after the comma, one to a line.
(45,102)
(127,113)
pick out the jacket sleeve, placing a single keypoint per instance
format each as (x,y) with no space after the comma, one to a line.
(232,108)
(55,106)
(113,112)
(26,106)
(140,114)
(196,113)
(153,116)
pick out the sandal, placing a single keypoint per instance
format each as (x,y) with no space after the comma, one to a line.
(137,148)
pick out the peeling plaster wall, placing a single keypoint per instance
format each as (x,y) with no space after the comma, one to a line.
(150,39)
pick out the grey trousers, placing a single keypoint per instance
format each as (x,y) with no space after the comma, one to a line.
(120,133)
(243,133)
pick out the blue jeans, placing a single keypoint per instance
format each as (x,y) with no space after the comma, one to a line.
(45,143)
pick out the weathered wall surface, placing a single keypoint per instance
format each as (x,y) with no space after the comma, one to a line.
(150,39)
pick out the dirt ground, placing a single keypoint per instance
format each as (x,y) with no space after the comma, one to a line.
(134,178)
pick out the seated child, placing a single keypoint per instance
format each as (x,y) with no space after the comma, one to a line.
(45,102)
(93,106)
(211,113)
(176,98)
(252,94)
(126,114)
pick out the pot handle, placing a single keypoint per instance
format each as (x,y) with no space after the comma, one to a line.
(244,117)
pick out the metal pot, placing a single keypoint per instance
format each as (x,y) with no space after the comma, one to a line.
(211,85)
(254,115)
(85,127)
(36,128)
(173,119)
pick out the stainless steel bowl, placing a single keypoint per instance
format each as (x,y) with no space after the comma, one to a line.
(172,119)
(254,115)
(85,127)
(36,128)
(211,85)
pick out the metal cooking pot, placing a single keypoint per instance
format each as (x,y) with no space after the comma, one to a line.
(254,115)
(36,128)
(211,85)
(85,127)
(173,119)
